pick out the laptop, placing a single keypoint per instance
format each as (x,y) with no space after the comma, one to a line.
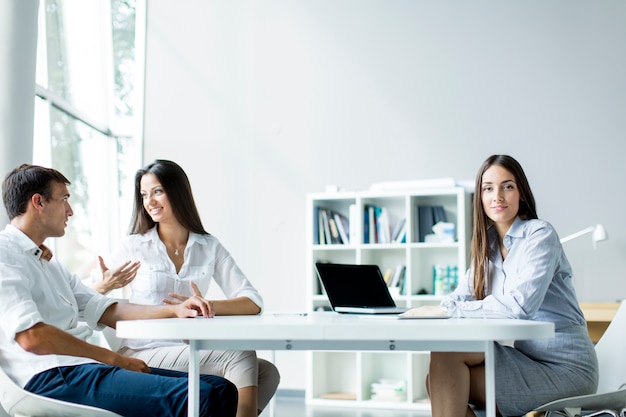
(358,289)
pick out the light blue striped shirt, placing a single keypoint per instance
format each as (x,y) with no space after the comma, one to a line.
(534,282)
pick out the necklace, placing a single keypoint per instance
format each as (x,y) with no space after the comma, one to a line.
(173,249)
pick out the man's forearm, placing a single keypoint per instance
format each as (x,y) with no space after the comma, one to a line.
(43,339)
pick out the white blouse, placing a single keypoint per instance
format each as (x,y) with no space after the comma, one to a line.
(205,259)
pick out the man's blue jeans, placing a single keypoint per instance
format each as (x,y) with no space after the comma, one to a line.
(162,393)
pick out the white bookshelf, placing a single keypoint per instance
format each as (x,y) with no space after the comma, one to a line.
(349,375)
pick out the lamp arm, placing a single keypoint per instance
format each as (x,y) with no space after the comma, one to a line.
(577,234)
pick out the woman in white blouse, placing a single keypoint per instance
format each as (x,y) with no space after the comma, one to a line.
(177,258)
(519,271)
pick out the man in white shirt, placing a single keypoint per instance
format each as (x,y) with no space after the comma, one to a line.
(42,347)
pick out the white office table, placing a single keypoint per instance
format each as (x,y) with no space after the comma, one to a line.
(332,331)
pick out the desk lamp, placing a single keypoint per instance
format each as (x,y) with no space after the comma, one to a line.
(598,234)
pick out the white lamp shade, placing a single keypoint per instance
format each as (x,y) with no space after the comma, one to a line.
(599,233)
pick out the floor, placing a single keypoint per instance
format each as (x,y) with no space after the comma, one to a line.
(294,406)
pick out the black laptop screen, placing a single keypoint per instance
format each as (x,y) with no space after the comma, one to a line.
(350,285)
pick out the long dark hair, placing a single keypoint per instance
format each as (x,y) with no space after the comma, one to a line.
(480,240)
(176,185)
(24,182)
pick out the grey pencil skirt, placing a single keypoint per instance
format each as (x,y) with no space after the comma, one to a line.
(534,372)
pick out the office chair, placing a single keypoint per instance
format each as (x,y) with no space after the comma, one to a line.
(113,342)
(610,399)
(21,403)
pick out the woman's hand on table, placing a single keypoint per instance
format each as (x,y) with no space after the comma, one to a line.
(197,294)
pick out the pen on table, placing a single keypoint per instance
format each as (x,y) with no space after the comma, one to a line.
(291,314)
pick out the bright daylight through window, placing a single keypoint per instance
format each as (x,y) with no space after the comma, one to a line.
(88,116)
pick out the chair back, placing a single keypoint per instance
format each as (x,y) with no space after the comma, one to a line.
(112,340)
(610,350)
(17,402)
(109,333)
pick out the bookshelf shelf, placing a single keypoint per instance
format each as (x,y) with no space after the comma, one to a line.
(345,379)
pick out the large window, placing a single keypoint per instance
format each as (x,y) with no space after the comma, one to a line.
(88,115)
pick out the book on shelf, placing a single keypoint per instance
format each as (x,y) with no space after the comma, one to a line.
(439,215)
(445,278)
(402,280)
(339,396)
(387,276)
(389,390)
(366,225)
(424,222)
(398,276)
(353,215)
(399,231)
(330,227)
(343,227)
(326,226)
(384,235)
(318,232)
(370,234)
(427,217)
(372,229)
(376,224)
(334,231)
(316,225)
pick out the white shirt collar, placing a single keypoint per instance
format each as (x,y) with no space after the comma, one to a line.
(22,240)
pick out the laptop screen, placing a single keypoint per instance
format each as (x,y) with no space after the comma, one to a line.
(350,285)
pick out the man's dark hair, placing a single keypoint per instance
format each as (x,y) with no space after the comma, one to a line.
(24,182)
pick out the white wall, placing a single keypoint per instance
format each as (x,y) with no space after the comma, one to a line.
(265,101)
